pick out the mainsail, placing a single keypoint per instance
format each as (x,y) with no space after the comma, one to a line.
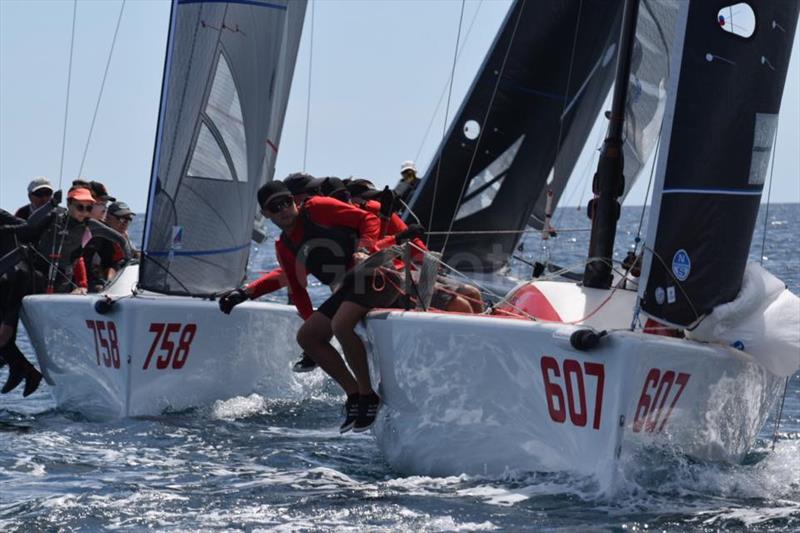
(227,76)
(717,140)
(523,123)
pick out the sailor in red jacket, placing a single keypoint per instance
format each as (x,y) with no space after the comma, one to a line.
(326,238)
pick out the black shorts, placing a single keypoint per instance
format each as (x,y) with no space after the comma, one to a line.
(378,290)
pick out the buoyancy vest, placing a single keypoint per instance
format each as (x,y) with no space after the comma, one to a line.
(326,252)
(63,237)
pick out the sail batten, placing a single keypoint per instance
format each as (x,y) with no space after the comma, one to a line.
(227,77)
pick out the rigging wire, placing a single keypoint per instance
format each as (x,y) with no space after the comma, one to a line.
(444,125)
(308,96)
(102,86)
(444,89)
(69,83)
(780,414)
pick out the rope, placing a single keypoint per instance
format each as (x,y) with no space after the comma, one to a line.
(102,86)
(69,83)
(769,195)
(780,414)
(444,126)
(482,130)
(503,231)
(444,89)
(308,97)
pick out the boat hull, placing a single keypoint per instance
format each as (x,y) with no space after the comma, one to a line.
(482,395)
(153,353)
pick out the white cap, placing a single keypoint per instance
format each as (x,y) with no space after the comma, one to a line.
(408,165)
(39,183)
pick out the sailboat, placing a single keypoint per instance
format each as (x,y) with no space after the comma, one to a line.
(155,339)
(569,376)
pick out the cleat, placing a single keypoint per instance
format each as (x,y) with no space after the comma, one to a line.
(368,407)
(351,410)
(305,364)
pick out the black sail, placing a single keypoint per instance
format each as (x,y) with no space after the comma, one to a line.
(533,102)
(720,124)
(226,84)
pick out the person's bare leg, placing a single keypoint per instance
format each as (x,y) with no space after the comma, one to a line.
(314,338)
(343,324)
(473,296)
(459,305)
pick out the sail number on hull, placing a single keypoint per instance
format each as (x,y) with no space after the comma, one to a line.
(568,394)
(170,354)
(656,392)
(106,345)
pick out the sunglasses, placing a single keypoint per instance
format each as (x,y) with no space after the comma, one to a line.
(276,206)
(42,193)
(83,208)
(126,220)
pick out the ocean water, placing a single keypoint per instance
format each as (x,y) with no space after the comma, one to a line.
(252,463)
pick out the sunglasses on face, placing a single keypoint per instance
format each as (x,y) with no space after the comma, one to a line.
(276,206)
(42,193)
(125,220)
(83,208)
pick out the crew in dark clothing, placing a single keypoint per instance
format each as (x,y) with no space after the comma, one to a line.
(302,186)
(408,181)
(103,254)
(326,238)
(40,190)
(54,262)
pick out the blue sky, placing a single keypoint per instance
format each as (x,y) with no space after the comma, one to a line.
(379,69)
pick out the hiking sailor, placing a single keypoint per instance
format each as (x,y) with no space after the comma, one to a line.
(326,238)
(55,265)
(40,190)
(105,254)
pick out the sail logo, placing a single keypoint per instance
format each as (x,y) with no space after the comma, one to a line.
(177,237)
(681,265)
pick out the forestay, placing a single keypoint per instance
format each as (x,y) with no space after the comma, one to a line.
(720,123)
(227,76)
(530,108)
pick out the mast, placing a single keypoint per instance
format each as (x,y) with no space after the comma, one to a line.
(609,183)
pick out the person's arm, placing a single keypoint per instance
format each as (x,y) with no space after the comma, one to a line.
(79,276)
(269,282)
(332,212)
(288,263)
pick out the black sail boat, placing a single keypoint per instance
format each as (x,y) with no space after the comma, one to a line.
(562,376)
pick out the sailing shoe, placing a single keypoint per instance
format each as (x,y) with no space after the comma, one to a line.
(351,409)
(32,381)
(368,407)
(305,364)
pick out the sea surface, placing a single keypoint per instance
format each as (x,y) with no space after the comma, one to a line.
(252,463)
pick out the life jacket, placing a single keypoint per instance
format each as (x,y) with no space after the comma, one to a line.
(63,237)
(326,252)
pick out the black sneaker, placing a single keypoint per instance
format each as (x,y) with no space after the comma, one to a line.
(350,411)
(305,364)
(368,407)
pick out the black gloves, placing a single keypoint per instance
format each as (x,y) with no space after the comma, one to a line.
(231,299)
(411,232)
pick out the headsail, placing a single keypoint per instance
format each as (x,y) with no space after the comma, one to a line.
(721,118)
(555,64)
(227,76)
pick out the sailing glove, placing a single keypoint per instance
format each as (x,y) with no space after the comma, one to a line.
(411,232)
(231,299)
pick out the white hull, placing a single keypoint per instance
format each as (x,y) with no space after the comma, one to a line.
(153,353)
(480,395)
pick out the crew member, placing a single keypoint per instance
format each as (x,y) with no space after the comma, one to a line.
(326,238)
(40,190)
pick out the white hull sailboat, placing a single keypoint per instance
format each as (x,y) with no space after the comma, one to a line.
(162,342)
(149,353)
(563,377)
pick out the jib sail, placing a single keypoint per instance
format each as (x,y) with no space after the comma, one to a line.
(226,84)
